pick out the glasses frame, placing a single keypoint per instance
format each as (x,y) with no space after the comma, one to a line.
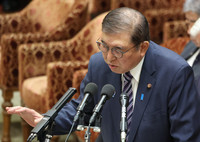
(113,49)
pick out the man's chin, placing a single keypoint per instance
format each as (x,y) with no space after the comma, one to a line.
(116,71)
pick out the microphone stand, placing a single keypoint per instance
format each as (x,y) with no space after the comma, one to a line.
(48,138)
(49,132)
(123,121)
(96,128)
(81,126)
(87,134)
(48,120)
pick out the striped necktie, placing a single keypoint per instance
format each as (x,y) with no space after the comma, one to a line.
(128,90)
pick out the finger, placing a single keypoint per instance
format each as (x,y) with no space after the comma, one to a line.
(21,110)
(15,110)
(11,109)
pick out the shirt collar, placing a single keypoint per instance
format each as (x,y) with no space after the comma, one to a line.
(136,71)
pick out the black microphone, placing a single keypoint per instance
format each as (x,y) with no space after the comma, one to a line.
(106,93)
(50,115)
(123,122)
(90,89)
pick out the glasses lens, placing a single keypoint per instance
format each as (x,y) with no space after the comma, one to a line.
(102,47)
(116,53)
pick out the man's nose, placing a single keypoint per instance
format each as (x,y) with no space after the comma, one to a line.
(110,55)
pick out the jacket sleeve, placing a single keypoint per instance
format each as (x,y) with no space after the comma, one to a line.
(184,107)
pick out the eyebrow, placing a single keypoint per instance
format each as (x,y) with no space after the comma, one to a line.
(117,47)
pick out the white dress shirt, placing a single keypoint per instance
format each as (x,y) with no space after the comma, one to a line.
(135,72)
(192,58)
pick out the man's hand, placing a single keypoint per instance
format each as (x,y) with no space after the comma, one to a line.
(29,115)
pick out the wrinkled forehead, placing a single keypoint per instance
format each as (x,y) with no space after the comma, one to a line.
(116,39)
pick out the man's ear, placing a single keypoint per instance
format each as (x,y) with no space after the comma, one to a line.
(144,47)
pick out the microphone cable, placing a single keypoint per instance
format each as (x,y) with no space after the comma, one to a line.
(70,131)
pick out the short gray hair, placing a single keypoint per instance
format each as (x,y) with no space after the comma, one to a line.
(125,19)
(192,5)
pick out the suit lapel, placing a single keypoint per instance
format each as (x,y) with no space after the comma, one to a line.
(145,87)
(189,50)
(115,103)
(144,92)
(142,98)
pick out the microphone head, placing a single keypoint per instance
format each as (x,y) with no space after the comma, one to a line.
(108,90)
(91,88)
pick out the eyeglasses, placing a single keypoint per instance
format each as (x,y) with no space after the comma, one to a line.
(116,51)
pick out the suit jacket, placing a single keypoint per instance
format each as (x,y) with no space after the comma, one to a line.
(170,110)
(198,85)
(188,51)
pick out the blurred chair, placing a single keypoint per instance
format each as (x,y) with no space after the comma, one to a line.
(78,76)
(176,44)
(143,5)
(40,21)
(174,29)
(157,19)
(97,7)
(157,13)
(175,35)
(42,84)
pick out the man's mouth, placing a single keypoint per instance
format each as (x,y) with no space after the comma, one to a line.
(112,66)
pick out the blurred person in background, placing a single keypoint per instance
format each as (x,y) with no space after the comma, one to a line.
(191,52)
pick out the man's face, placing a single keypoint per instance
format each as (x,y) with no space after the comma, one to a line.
(122,42)
(191,18)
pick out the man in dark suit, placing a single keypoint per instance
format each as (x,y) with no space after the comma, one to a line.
(191,52)
(165,104)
